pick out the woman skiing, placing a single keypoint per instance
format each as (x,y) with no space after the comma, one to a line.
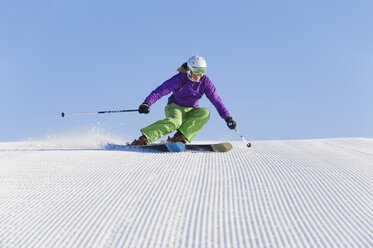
(182,111)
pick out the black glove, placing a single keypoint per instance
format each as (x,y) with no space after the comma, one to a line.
(231,123)
(144,108)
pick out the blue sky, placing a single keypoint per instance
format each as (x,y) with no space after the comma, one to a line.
(284,69)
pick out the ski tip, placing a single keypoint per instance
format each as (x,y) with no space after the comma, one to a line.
(222,147)
(176,147)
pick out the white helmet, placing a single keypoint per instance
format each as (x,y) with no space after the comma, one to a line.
(197,65)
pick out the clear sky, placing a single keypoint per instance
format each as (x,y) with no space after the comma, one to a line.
(284,69)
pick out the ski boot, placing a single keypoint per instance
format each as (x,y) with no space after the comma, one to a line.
(178,137)
(141,141)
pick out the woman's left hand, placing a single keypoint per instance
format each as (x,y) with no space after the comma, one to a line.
(231,123)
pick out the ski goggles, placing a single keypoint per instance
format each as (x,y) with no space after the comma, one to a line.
(199,71)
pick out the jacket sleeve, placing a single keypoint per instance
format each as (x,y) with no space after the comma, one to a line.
(215,99)
(164,89)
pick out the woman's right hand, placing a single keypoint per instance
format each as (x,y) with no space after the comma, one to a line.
(144,108)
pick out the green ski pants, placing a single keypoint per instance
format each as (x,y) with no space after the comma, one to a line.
(188,120)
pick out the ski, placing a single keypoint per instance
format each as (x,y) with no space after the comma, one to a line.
(172,147)
(220,147)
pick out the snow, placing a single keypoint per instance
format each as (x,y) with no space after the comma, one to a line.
(70,192)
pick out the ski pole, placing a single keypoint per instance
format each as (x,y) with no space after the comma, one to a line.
(248,144)
(100,112)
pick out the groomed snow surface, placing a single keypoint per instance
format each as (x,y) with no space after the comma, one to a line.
(73,193)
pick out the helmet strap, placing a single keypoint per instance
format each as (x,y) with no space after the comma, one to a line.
(189,75)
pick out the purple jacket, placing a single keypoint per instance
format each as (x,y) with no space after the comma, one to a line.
(187,93)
